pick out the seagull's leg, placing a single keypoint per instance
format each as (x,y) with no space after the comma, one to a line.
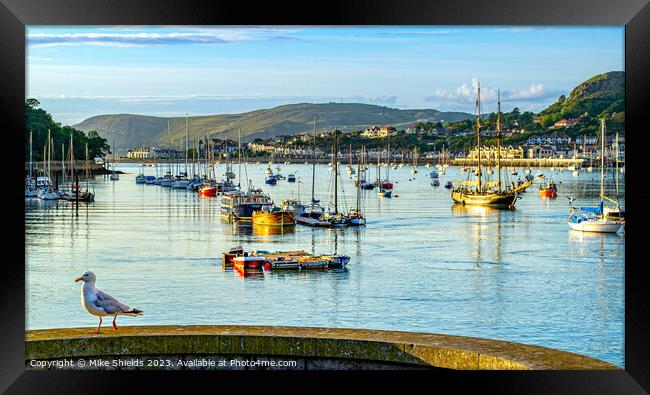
(100,324)
(114,324)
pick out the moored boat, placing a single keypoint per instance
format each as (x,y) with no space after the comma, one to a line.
(600,218)
(237,258)
(483,193)
(548,189)
(240,205)
(208,190)
(274,216)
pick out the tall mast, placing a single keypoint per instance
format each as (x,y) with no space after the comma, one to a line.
(336,170)
(194,160)
(239,153)
(358,182)
(388,160)
(63,164)
(71,160)
(49,153)
(313,167)
(87,175)
(30,155)
(602,161)
(499,139)
(187,136)
(478,135)
(617,156)
(379,167)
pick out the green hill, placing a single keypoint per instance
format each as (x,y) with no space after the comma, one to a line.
(598,96)
(129,130)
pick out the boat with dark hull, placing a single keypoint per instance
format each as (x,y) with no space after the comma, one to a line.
(479,192)
(240,205)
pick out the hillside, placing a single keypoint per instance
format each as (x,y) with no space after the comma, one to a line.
(136,130)
(600,95)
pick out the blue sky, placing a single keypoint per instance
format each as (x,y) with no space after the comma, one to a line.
(81,71)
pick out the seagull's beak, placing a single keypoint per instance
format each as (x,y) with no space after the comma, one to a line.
(76,280)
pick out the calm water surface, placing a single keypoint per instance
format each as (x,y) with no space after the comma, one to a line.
(419,264)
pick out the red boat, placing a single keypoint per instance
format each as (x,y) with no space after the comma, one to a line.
(208,190)
(384,184)
(244,263)
(548,190)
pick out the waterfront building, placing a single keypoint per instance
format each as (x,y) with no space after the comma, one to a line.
(489,153)
(140,153)
(551,139)
(540,152)
(152,152)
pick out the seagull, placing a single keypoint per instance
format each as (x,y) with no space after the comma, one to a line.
(101,304)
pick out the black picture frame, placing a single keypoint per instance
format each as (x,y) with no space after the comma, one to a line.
(634,14)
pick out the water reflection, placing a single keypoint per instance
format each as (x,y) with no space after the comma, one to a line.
(255,275)
(420,264)
(487,231)
(265,230)
(466,209)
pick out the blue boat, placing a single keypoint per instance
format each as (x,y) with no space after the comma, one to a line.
(271,180)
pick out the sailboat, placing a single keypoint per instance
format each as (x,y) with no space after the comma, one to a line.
(487,194)
(414,170)
(350,169)
(385,187)
(78,195)
(355,216)
(335,218)
(30,185)
(209,187)
(364,183)
(46,191)
(311,213)
(86,195)
(182,180)
(241,205)
(141,178)
(596,219)
(114,175)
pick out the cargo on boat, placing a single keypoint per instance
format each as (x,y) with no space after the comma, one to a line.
(295,260)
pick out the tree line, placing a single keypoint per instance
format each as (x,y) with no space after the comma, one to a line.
(39,121)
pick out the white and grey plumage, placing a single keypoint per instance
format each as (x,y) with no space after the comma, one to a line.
(101,304)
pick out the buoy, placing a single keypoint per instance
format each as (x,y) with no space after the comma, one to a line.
(267,266)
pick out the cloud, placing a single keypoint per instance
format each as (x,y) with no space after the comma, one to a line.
(201,37)
(466,93)
(535,91)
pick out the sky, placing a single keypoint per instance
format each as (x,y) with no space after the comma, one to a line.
(81,71)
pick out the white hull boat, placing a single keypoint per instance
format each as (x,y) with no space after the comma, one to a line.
(596,225)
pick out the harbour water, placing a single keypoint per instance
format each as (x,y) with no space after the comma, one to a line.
(418,265)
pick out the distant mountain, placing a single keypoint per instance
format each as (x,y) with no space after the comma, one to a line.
(600,95)
(128,130)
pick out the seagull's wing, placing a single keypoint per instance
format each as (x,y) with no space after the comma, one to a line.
(111,305)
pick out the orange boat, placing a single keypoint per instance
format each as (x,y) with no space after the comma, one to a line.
(208,190)
(548,189)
